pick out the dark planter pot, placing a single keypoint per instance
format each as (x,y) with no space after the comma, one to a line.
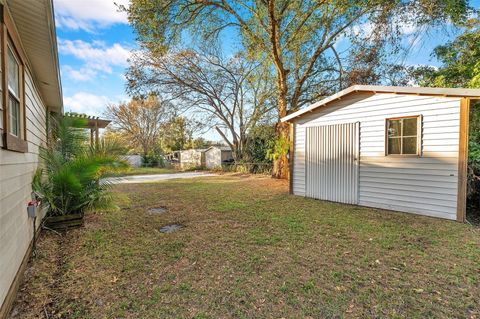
(64,222)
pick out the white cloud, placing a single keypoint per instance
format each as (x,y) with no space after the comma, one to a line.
(96,52)
(408,28)
(82,74)
(84,102)
(96,56)
(88,15)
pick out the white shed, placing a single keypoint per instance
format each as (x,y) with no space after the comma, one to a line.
(397,148)
(133,160)
(215,156)
(192,158)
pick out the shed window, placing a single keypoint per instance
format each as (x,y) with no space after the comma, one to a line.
(403,136)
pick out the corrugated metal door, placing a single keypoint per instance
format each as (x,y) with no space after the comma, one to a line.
(332,161)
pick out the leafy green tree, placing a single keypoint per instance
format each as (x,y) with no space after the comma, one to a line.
(260,141)
(296,38)
(139,121)
(460,59)
(200,142)
(116,141)
(175,134)
(226,92)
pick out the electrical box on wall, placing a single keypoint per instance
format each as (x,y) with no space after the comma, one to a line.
(32,210)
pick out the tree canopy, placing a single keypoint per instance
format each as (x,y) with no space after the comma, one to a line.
(459,58)
(140,120)
(296,40)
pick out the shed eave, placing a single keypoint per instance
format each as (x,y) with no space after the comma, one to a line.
(444,92)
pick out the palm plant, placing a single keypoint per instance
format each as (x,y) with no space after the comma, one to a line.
(69,181)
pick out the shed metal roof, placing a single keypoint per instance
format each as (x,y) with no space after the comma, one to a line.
(450,92)
(223,148)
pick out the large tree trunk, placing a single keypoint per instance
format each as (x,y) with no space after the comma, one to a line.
(280,165)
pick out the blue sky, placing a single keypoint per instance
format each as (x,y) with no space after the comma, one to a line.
(95,41)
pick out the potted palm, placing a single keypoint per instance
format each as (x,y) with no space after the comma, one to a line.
(69,183)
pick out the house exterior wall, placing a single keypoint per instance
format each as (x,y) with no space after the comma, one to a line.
(425,185)
(16,173)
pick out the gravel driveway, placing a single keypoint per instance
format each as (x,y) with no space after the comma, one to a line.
(156,177)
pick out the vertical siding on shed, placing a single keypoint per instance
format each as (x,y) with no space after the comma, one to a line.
(16,172)
(425,185)
(332,162)
(299,161)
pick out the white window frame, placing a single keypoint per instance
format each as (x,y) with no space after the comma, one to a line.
(13,136)
(15,96)
(419,135)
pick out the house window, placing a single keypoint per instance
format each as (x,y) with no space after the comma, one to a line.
(13,68)
(403,136)
(12,105)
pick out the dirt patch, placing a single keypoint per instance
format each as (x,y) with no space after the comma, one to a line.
(157,210)
(170,228)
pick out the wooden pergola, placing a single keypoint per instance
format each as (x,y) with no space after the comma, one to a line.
(93,123)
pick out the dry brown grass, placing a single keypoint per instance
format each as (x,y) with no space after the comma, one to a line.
(250,250)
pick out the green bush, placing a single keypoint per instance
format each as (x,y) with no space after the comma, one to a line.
(153,160)
(69,179)
(474,164)
(260,142)
(247,168)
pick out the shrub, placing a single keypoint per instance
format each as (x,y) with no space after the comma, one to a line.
(474,165)
(250,168)
(153,160)
(69,179)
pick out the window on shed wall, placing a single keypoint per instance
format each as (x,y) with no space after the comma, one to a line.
(403,136)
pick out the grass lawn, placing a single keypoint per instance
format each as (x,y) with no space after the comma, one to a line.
(250,250)
(147,171)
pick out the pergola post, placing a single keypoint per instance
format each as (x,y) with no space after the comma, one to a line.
(96,133)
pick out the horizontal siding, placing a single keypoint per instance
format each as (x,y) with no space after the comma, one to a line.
(425,185)
(16,173)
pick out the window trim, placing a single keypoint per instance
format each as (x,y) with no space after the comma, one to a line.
(419,135)
(10,41)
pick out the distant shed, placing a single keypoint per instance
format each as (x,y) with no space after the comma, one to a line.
(398,148)
(192,158)
(215,156)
